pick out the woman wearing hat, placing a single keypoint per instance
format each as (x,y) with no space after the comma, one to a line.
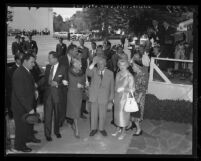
(75,90)
(123,85)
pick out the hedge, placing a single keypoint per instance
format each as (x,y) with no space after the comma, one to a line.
(170,110)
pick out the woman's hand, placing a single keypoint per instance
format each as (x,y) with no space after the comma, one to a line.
(121,89)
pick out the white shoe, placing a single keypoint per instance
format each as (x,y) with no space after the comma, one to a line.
(121,137)
(116,133)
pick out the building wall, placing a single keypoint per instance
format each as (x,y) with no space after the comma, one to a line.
(38,19)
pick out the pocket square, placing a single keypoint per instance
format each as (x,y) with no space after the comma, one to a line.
(59,75)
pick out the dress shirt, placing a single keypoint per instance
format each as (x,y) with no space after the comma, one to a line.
(55,69)
(17,65)
(69,59)
(26,68)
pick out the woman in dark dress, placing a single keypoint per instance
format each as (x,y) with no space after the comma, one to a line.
(141,85)
(75,90)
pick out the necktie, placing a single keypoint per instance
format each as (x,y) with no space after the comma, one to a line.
(101,75)
(51,74)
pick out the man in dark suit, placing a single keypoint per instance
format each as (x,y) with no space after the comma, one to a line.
(23,96)
(30,45)
(61,48)
(66,60)
(55,79)
(167,46)
(11,70)
(85,56)
(16,46)
(92,52)
(83,49)
(23,43)
(108,52)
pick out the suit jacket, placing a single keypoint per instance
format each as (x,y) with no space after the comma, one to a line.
(61,74)
(61,49)
(23,91)
(91,56)
(63,60)
(12,70)
(36,73)
(101,92)
(85,52)
(16,48)
(31,46)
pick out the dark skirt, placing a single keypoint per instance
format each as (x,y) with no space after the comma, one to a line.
(136,114)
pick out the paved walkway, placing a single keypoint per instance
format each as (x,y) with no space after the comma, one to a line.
(159,137)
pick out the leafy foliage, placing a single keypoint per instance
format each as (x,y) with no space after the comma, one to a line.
(169,110)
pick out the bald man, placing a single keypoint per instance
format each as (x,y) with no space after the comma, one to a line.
(101,92)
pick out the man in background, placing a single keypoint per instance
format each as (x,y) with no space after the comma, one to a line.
(61,48)
(16,46)
(30,45)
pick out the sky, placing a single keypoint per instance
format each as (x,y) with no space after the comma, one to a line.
(66,12)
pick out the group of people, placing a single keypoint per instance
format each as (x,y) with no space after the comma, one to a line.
(75,76)
(161,43)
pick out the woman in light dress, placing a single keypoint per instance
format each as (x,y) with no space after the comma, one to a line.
(124,84)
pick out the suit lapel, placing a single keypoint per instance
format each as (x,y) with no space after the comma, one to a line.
(28,74)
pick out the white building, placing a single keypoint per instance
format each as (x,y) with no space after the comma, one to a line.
(33,19)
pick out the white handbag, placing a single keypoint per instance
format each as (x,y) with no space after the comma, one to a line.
(131,104)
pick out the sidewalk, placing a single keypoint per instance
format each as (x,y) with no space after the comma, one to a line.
(159,137)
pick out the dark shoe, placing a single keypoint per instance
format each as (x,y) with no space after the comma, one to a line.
(86,112)
(35,132)
(24,149)
(34,140)
(112,122)
(58,135)
(103,132)
(69,121)
(131,127)
(49,138)
(61,124)
(39,120)
(93,132)
(140,133)
(83,117)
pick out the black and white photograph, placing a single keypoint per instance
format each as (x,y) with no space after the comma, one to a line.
(109,79)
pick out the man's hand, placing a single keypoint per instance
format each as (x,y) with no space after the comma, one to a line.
(32,111)
(80,86)
(36,85)
(65,83)
(36,94)
(54,84)
(87,84)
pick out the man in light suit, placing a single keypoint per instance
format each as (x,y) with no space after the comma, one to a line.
(55,79)
(101,92)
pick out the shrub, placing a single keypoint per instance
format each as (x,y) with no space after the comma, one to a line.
(169,110)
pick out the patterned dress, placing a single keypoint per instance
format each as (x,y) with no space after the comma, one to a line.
(141,85)
(121,118)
